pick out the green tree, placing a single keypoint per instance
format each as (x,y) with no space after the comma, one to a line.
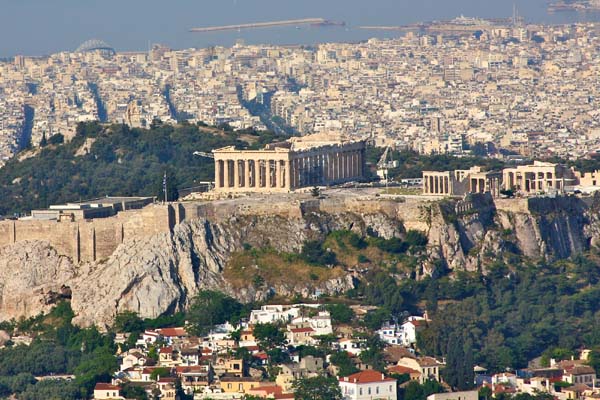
(210,308)
(594,360)
(57,138)
(458,372)
(373,354)
(313,253)
(485,393)
(130,391)
(342,360)
(128,321)
(376,318)
(317,388)
(415,238)
(268,336)
(160,372)
(340,313)
(43,141)
(416,391)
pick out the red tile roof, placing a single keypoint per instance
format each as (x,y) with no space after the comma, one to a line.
(106,386)
(148,370)
(267,389)
(301,330)
(262,356)
(284,396)
(166,350)
(399,369)
(504,389)
(190,369)
(368,376)
(171,332)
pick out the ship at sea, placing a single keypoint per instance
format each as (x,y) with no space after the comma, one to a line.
(580,6)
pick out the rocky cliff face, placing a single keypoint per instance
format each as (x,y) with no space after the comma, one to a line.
(161,273)
(469,234)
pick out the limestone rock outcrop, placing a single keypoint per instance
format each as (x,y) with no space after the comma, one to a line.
(161,273)
(33,276)
(157,274)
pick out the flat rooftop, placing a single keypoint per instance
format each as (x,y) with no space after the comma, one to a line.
(111,200)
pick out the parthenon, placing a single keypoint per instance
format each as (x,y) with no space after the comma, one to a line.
(313,160)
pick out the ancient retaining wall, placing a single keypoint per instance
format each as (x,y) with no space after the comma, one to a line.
(91,240)
(97,239)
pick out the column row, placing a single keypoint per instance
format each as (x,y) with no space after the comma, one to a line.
(436,184)
(326,168)
(252,173)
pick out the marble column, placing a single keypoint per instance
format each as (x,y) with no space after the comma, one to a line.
(255,176)
(263,173)
(226,176)
(346,167)
(247,174)
(236,174)
(332,175)
(218,171)
(278,180)
(326,171)
(288,176)
(270,174)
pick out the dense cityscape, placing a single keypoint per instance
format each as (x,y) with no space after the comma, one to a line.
(528,89)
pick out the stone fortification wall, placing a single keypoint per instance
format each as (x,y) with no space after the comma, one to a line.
(512,205)
(544,205)
(97,239)
(217,211)
(90,240)
(408,210)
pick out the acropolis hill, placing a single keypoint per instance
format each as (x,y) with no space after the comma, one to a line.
(152,260)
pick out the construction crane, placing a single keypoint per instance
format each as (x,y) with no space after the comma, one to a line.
(203,154)
(384,164)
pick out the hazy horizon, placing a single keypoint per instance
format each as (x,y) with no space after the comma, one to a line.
(40,27)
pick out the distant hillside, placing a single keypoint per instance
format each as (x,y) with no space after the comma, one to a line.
(115,160)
